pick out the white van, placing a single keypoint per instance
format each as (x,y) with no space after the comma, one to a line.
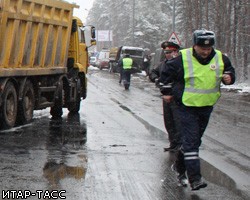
(103,59)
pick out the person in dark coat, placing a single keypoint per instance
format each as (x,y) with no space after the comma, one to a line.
(169,114)
(196,75)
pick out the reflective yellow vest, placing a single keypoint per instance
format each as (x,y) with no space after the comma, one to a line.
(202,82)
(127,63)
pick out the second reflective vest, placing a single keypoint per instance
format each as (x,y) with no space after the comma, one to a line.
(202,82)
(127,63)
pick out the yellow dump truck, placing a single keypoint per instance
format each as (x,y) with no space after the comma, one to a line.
(43,59)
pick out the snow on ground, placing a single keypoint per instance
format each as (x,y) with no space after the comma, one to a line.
(91,67)
(242,87)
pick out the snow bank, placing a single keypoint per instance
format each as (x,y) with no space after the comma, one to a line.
(242,87)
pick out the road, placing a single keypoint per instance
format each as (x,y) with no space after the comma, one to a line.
(113,149)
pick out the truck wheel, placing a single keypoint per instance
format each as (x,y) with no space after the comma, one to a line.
(56,109)
(26,107)
(8,110)
(75,106)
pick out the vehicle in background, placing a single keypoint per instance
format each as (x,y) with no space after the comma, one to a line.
(156,58)
(136,53)
(103,59)
(112,58)
(92,60)
(146,61)
(43,59)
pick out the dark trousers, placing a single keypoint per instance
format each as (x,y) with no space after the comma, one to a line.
(125,74)
(193,124)
(171,122)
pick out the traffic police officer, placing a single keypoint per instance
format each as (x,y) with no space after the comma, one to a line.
(125,65)
(197,74)
(171,50)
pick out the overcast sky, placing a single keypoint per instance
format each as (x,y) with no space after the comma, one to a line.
(85,5)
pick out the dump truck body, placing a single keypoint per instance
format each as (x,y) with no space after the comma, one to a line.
(43,59)
(34,37)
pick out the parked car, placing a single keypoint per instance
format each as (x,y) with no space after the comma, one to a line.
(103,59)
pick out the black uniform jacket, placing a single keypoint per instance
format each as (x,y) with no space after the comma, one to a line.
(173,71)
(156,72)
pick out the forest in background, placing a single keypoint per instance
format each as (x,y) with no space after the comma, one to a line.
(148,23)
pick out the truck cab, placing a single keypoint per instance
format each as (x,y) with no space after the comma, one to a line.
(81,38)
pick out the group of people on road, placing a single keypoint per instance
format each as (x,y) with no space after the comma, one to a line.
(189,80)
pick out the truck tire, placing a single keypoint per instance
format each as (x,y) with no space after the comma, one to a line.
(26,106)
(8,110)
(74,107)
(56,110)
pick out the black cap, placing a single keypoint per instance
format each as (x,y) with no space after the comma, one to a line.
(204,37)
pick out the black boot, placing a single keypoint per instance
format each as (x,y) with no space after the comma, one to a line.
(172,148)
